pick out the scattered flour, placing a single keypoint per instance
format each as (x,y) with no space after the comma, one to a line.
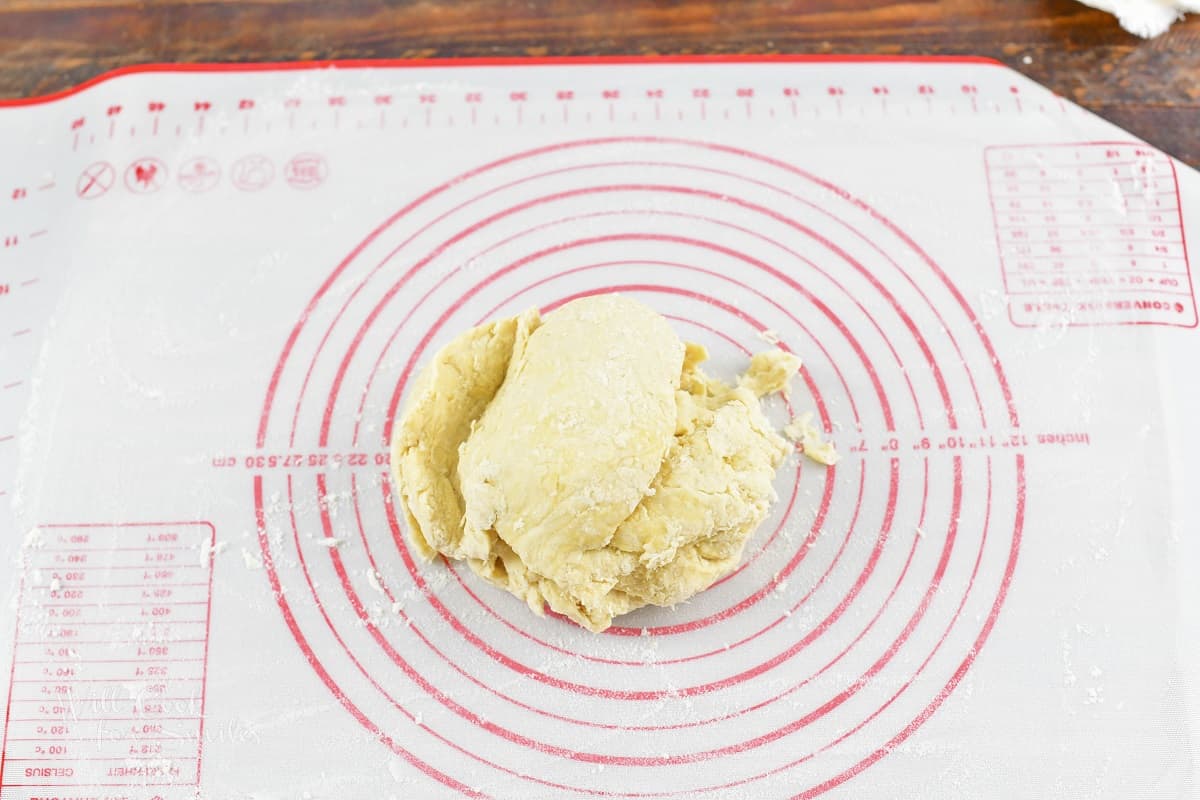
(768,335)
(250,560)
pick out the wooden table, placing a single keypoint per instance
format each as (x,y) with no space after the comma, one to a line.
(1150,88)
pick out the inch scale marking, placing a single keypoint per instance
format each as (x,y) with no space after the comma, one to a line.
(568,108)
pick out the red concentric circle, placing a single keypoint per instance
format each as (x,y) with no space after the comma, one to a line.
(857,609)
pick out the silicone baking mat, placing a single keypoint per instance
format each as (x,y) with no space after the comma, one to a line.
(217,284)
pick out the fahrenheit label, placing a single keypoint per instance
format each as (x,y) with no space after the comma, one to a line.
(109,663)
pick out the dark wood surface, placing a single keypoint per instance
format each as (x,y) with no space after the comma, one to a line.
(1151,88)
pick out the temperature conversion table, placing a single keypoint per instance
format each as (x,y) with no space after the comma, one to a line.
(109,661)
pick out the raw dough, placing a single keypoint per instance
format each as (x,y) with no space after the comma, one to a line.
(585,461)
(802,431)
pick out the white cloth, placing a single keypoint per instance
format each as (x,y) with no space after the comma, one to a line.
(1146,18)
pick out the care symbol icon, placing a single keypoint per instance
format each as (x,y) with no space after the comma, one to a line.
(145,176)
(252,173)
(306,171)
(199,174)
(95,180)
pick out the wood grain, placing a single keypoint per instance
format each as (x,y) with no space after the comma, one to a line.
(1151,88)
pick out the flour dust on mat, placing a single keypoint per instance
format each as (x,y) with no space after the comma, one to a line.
(584,461)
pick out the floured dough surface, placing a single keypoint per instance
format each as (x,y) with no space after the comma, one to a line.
(585,461)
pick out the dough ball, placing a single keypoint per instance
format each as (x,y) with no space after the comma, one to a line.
(585,462)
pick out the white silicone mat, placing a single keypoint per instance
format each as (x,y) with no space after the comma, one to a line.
(216,286)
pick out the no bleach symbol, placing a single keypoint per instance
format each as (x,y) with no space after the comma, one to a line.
(199,174)
(306,171)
